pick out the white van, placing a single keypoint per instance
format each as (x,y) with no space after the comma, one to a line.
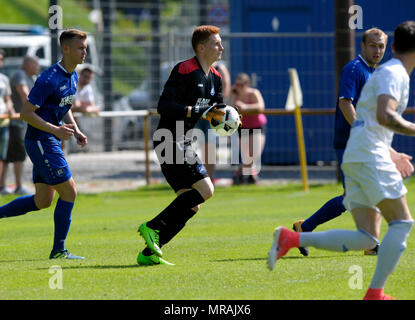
(20,40)
(18,44)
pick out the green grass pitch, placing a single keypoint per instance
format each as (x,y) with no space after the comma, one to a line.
(220,255)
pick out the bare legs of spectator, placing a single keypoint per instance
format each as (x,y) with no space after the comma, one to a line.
(18,173)
(251,150)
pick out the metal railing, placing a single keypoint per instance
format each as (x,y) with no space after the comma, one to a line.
(147,115)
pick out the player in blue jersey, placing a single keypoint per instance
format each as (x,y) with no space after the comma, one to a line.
(352,79)
(50,121)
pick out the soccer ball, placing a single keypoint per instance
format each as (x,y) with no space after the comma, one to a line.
(231,121)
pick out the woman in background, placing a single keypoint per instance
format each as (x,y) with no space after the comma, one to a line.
(246,98)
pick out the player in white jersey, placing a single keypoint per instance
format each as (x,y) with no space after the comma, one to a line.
(373,183)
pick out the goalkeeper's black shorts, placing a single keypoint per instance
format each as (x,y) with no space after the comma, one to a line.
(183,169)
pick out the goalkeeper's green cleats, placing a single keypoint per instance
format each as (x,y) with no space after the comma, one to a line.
(151,260)
(151,237)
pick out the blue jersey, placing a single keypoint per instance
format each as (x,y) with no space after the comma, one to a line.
(352,79)
(53,94)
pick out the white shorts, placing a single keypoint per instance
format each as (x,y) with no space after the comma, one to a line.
(367,185)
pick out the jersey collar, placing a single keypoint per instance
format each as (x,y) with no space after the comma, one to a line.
(63,69)
(365,62)
(200,66)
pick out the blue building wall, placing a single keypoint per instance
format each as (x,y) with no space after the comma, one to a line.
(313,56)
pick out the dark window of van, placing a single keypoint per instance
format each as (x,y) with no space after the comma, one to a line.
(15,52)
(40,53)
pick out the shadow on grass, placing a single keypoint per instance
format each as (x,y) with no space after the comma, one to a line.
(22,260)
(127,266)
(80,266)
(288,258)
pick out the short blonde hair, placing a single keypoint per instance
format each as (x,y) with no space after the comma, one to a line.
(376,32)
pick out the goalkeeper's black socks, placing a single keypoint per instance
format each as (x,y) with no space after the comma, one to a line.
(147,252)
(173,214)
(173,218)
(170,231)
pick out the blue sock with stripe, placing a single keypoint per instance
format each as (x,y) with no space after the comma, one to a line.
(18,207)
(331,209)
(62,219)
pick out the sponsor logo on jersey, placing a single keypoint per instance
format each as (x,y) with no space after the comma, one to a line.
(202,102)
(67,100)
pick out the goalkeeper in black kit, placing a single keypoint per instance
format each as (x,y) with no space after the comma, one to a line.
(193,90)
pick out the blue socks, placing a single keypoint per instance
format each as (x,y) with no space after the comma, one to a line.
(331,209)
(62,218)
(18,206)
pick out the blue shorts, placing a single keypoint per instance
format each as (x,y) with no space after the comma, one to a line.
(49,163)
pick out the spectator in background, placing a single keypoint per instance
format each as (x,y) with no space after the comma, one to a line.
(226,79)
(84,100)
(84,103)
(246,98)
(209,144)
(6,109)
(21,83)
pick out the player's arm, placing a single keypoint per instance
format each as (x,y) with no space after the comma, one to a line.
(207,112)
(350,82)
(170,102)
(348,110)
(175,91)
(28,114)
(81,139)
(387,116)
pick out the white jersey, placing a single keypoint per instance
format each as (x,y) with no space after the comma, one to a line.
(86,94)
(4,91)
(369,141)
